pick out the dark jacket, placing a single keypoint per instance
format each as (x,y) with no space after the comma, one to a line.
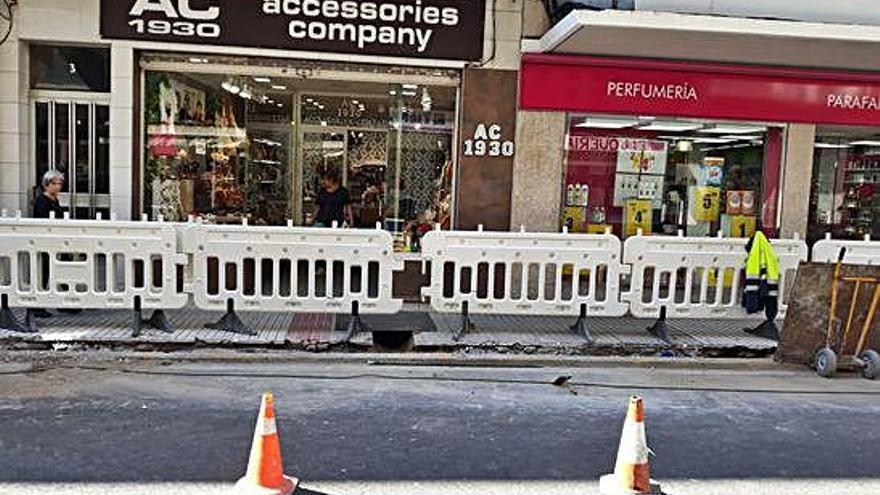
(44,205)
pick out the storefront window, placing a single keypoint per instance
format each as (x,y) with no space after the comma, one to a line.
(844,200)
(225,148)
(662,175)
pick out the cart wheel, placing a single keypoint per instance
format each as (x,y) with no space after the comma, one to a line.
(871,358)
(826,362)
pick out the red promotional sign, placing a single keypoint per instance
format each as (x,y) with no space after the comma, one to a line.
(641,87)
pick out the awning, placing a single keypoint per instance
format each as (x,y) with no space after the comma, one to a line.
(643,34)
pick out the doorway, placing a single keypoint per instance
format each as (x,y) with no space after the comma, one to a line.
(73,137)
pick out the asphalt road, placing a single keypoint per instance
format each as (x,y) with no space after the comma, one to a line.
(351,429)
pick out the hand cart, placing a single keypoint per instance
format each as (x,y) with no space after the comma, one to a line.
(827,360)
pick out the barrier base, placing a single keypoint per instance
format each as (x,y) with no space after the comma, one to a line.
(768,330)
(580,329)
(609,485)
(157,321)
(355,326)
(230,322)
(660,330)
(10,323)
(466,324)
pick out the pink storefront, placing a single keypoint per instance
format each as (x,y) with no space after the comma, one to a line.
(663,146)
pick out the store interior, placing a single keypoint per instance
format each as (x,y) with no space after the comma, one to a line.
(662,175)
(226,147)
(846,174)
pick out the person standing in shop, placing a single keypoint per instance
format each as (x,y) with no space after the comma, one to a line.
(334,201)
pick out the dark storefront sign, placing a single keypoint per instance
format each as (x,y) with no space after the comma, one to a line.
(488,127)
(441,29)
(685,89)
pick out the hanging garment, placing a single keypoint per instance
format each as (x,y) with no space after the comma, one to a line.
(762,277)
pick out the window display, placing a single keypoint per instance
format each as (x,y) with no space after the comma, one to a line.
(632,174)
(224,148)
(844,200)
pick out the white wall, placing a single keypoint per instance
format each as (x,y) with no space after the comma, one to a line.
(13,124)
(837,11)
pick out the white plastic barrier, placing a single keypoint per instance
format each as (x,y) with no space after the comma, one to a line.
(522,273)
(698,277)
(290,269)
(866,252)
(99,264)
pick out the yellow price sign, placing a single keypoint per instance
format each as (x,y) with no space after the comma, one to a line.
(742,226)
(638,216)
(707,201)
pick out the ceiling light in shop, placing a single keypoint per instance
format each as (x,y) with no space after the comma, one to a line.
(743,137)
(230,87)
(865,143)
(280,105)
(831,146)
(410,86)
(670,126)
(197,60)
(711,140)
(354,102)
(392,92)
(734,129)
(279,87)
(607,123)
(684,146)
(309,100)
(262,79)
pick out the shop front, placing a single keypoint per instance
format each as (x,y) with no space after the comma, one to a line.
(667,147)
(249,132)
(228,139)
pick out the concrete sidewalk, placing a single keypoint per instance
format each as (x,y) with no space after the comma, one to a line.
(431,331)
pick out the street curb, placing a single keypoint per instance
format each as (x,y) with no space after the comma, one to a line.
(409,359)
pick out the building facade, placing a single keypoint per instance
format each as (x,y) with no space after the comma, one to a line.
(229,110)
(699,117)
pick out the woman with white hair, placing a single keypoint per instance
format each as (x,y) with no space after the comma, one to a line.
(44,204)
(47,201)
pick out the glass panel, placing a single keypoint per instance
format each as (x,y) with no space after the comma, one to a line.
(846,176)
(226,147)
(62,142)
(212,152)
(662,175)
(41,136)
(82,126)
(70,68)
(102,149)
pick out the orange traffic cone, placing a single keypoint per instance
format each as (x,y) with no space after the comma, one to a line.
(632,474)
(265,473)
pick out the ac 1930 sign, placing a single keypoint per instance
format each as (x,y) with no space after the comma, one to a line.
(442,29)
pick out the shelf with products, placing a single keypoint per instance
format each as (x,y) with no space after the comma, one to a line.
(196,131)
